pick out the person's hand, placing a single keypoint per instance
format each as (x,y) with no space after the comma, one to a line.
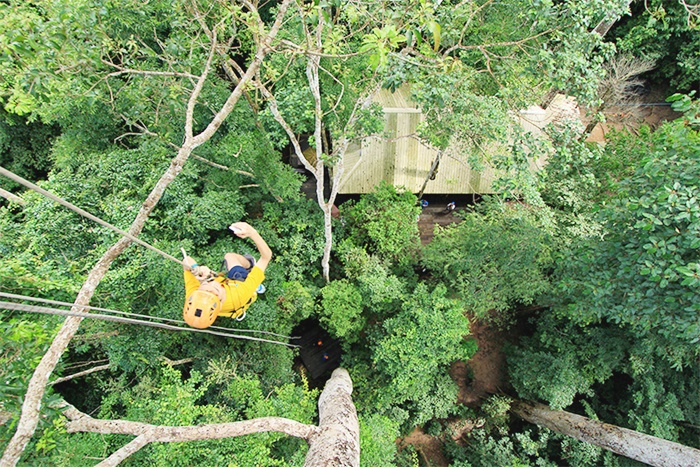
(202,273)
(242,229)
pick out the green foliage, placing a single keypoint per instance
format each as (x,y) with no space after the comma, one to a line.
(407,457)
(380,42)
(24,147)
(167,399)
(384,223)
(380,290)
(294,232)
(576,178)
(562,361)
(644,273)
(620,336)
(496,407)
(626,303)
(573,56)
(378,441)
(689,107)
(459,116)
(23,344)
(342,310)
(494,260)
(296,106)
(519,450)
(667,33)
(419,344)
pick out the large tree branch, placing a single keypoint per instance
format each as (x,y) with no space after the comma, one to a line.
(37,384)
(127,450)
(336,443)
(80,422)
(11,197)
(625,442)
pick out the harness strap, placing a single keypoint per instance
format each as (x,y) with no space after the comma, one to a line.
(241,309)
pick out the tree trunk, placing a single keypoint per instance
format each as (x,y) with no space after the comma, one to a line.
(633,444)
(431,173)
(549,97)
(328,234)
(337,440)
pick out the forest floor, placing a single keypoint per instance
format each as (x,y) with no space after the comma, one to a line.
(652,111)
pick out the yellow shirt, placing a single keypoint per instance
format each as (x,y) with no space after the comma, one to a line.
(239,295)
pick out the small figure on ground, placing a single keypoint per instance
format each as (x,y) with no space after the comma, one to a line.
(424,203)
(450,206)
(209,295)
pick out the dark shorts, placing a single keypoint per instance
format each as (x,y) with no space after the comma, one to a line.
(238,273)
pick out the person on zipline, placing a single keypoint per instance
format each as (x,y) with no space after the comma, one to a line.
(208,295)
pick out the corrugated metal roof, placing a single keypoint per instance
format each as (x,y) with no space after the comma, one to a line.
(400,158)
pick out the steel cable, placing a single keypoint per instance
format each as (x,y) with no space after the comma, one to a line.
(124,313)
(55,311)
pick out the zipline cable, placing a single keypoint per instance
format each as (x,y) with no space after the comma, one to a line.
(55,311)
(124,313)
(85,214)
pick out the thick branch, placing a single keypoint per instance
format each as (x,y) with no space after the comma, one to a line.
(11,197)
(337,440)
(633,444)
(127,450)
(172,434)
(79,374)
(146,433)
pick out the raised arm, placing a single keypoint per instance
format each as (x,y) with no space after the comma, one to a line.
(245,230)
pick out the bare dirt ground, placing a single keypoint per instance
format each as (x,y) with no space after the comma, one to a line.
(652,111)
(484,373)
(429,448)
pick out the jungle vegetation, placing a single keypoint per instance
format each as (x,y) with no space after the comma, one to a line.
(591,265)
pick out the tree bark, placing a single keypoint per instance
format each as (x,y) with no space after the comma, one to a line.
(11,197)
(31,407)
(337,441)
(431,172)
(633,444)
